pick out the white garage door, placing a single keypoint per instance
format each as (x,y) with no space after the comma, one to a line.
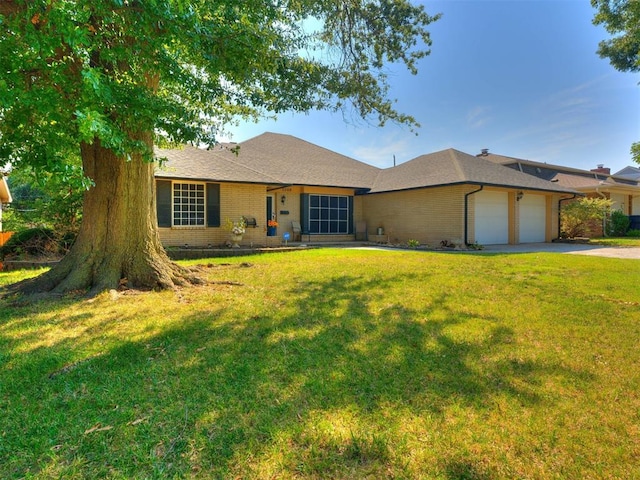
(492,217)
(533,218)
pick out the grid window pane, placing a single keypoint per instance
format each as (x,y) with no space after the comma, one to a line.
(188,204)
(328,214)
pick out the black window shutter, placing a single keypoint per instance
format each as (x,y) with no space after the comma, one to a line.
(163,202)
(351,229)
(304,213)
(213,204)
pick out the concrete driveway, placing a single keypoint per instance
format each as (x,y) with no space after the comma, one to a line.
(569,248)
(575,249)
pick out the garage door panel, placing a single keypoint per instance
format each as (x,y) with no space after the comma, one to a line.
(533,219)
(491,218)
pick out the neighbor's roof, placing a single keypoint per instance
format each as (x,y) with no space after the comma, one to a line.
(272,159)
(278,159)
(5,195)
(450,167)
(583,180)
(629,172)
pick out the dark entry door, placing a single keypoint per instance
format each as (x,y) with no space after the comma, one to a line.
(269,208)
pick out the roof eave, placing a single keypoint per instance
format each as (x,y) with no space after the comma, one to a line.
(630,189)
(256,182)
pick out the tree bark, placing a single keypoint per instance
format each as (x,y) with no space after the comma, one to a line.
(118,242)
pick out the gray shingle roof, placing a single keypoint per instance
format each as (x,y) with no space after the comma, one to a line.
(272,159)
(217,165)
(278,159)
(298,162)
(629,172)
(450,167)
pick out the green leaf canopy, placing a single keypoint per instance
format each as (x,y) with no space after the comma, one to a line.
(106,70)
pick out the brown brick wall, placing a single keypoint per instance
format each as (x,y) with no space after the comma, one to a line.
(427,215)
(236,200)
(249,200)
(432,215)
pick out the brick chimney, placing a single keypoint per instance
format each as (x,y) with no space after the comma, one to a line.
(601,169)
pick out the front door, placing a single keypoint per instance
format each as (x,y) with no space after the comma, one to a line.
(270,212)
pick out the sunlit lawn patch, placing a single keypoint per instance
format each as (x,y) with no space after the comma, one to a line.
(617,241)
(333,364)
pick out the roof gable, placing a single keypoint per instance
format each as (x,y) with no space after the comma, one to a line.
(629,172)
(298,162)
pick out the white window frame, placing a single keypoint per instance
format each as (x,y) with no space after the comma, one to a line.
(186,214)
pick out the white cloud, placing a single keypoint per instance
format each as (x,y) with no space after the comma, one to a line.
(478,116)
(558,125)
(382,153)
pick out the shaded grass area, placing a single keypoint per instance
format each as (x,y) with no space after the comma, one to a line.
(333,364)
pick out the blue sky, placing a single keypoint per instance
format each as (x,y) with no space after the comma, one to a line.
(520,78)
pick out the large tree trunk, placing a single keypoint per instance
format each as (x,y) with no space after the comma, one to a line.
(118,243)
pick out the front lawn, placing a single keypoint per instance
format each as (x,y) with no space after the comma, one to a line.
(617,241)
(333,364)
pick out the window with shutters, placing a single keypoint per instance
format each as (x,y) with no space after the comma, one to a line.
(329,214)
(187,204)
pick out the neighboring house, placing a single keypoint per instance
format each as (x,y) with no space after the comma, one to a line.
(5,196)
(629,172)
(598,182)
(447,195)
(622,190)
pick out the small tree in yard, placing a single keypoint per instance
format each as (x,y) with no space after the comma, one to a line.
(108,79)
(578,217)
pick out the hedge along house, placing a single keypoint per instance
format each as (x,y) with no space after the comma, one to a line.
(622,190)
(447,195)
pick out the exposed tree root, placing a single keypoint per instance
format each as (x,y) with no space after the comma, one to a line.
(83,280)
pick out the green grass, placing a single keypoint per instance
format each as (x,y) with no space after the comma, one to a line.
(617,241)
(333,364)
